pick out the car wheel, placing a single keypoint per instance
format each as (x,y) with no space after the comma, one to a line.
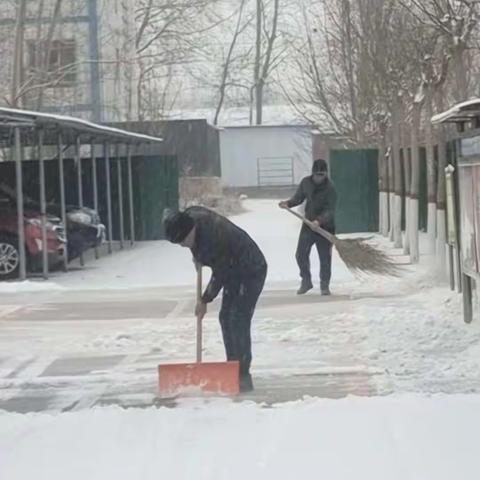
(9,258)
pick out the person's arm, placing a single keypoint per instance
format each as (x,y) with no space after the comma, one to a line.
(216,240)
(297,199)
(328,214)
(213,287)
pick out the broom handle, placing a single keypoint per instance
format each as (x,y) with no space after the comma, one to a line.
(317,229)
(199,319)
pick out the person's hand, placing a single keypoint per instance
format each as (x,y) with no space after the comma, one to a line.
(197,265)
(200,310)
(283,204)
(316,222)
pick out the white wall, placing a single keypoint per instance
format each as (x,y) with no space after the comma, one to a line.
(241,147)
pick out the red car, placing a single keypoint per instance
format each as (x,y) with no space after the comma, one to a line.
(9,253)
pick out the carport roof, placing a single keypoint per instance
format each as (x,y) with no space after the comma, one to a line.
(462,112)
(70,128)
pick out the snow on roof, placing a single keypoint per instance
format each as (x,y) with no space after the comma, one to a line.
(463,111)
(231,127)
(78,124)
(274,116)
(240,116)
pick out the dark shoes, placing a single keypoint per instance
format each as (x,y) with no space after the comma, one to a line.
(325,291)
(304,287)
(246,384)
(307,286)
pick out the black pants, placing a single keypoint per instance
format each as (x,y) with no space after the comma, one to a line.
(238,305)
(306,241)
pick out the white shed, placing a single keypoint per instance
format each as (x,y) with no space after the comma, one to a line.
(265,156)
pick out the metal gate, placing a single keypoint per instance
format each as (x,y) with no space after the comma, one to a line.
(275,171)
(355,175)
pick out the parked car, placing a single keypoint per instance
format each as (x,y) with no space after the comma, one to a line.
(9,252)
(84,229)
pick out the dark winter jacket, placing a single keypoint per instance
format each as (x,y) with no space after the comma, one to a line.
(226,249)
(321,201)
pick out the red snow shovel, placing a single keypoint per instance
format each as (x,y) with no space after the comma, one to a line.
(212,377)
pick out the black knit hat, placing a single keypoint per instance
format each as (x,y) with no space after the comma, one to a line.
(319,165)
(178,226)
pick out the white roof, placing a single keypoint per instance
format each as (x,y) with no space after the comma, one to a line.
(83,126)
(461,111)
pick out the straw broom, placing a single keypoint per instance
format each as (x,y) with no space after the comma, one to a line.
(359,256)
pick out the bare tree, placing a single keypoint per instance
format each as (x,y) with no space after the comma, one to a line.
(435,76)
(169,35)
(441,187)
(413,222)
(47,50)
(455,21)
(397,119)
(391,187)
(407,168)
(378,88)
(436,43)
(386,40)
(329,86)
(417,102)
(263,53)
(383,177)
(418,69)
(18,51)
(240,27)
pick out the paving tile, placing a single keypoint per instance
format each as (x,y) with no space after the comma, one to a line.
(74,366)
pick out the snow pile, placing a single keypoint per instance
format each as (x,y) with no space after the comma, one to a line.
(28,286)
(423,344)
(376,439)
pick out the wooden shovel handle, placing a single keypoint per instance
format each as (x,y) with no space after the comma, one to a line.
(331,238)
(199,319)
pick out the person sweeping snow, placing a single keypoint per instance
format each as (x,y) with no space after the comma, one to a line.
(238,266)
(320,195)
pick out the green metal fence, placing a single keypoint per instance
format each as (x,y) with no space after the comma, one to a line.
(155,187)
(355,175)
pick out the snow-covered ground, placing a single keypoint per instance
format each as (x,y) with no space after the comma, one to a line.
(409,331)
(161,264)
(95,336)
(411,437)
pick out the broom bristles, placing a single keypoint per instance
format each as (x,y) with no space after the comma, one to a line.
(361,257)
(358,255)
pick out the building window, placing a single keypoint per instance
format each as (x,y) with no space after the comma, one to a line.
(60,69)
